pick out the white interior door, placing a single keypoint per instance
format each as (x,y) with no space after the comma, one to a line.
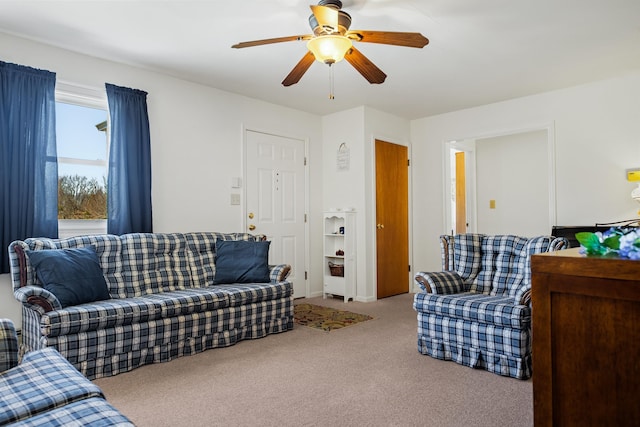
(275,199)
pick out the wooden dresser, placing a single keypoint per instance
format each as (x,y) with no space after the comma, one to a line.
(586,340)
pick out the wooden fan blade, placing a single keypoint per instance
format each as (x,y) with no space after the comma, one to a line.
(298,71)
(365,67)
(326,16)
(270,41)
(389,37)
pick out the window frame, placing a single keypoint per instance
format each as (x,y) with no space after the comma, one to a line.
(90,97)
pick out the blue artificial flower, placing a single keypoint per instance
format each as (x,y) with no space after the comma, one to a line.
(619,241)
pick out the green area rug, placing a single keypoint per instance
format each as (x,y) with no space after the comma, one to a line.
(326,318)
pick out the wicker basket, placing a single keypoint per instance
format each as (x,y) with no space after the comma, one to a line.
(336,269)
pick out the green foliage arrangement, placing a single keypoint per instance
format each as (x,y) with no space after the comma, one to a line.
(622,242)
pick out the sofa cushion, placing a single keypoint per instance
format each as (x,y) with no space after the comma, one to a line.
(44,380)
(154,262)
(97,315)
(475,307)
(107,248)
(202,254)
(127,311)
(188,301)
(241,294)
(467,258)
(502,266)
(73,275)
(241,261)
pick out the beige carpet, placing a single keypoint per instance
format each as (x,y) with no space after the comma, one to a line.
(367,375)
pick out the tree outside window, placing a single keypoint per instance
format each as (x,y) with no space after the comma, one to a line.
(81,134)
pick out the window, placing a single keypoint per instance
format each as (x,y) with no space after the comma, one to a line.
(82,145)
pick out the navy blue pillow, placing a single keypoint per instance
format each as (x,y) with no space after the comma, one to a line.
(240,261)
(73,275)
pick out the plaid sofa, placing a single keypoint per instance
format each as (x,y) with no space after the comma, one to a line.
(477,311)
(164,303)
(45,390)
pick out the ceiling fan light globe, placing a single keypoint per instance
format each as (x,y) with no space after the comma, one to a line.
(329,49)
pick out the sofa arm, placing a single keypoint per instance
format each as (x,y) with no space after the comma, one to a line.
(37,298)
(278,273)
(441,283)
(523,298)
(8,345)
(558,244)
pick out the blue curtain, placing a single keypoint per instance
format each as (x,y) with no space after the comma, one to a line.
(129,178)
(28,159)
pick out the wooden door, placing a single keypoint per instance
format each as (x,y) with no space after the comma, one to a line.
(461,194)
(275,200)
(392,219)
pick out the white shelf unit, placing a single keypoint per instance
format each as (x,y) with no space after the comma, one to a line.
(340,235)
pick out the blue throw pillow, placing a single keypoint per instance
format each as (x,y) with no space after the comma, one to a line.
(240,261)
(73,275)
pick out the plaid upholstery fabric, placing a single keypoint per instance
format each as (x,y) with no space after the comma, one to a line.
(485,323)
(161,306)
(44,380)
(442,283)
(23,294)
(117,312)
(466,254)
(446,252)
(279,273)
(502,266)
(477,308)
(107,352)
(84,413)
(8,345)
(107,247)
(241,294)
(504,351)
(153,263)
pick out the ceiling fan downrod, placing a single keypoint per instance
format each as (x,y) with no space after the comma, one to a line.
(331,82)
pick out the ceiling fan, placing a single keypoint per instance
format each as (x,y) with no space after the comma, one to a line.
(331,42)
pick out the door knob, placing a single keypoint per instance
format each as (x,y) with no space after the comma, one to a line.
(252,227)
(379,226)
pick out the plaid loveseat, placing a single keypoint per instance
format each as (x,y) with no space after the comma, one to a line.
(45,390)
(163,301)
(477,311)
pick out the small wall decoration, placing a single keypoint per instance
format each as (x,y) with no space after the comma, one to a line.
(343,157)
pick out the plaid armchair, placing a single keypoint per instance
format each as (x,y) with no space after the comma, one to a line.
(44,389)
(477,311)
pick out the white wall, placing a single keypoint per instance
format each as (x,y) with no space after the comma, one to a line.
(359,128)
(196,142)
(597,137)
(512,171)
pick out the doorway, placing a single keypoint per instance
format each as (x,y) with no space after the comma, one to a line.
(275,200)
(392,218)
(501,196)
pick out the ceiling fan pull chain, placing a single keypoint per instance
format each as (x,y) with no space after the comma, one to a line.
(331,82)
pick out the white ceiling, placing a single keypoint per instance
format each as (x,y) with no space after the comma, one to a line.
(479,52)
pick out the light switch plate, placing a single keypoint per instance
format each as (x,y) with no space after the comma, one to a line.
(235,198)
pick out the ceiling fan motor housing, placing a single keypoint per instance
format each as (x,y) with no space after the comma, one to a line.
(336,4)
(344,19)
